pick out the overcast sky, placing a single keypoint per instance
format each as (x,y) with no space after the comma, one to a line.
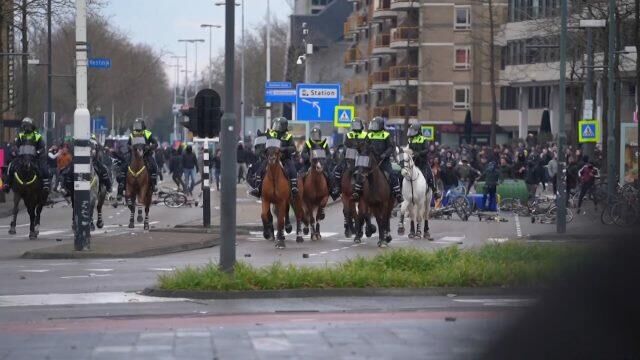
(160,23)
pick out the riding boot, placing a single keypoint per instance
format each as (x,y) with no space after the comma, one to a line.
(337,184)
(395,188)
(256,192)
(46,183)
(120,191)
(294,186)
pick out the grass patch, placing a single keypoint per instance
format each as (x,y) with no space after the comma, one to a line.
(507,264)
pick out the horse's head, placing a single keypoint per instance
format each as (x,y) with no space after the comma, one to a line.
(273,155)
(318,158)
(138,151)
(406,163)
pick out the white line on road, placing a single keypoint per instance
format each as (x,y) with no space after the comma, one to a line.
(34,271)
(80,299)
(498,302)
(518,227)
(99,270)
(454,239)
(162,269)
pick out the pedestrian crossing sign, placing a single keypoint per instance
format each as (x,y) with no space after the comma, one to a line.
(344,115)
(588,131)
(429,132)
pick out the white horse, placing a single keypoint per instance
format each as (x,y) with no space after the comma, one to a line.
(417,197)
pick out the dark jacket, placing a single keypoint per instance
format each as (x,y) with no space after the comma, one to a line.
(175,164)
(491,177)
(380,144)
(449,177)
(189,161)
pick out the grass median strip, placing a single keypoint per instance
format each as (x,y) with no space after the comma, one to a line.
(506,264)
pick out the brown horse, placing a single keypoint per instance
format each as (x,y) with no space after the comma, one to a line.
(349,208)
(138,186)
(315,193)
(277,193)
(376,199)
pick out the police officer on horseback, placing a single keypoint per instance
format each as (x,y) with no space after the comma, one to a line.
(419,145)
(139,130)
(99,166)
(259,147)
(316,142)
(29,142)
(354,144)
(280,131)
(379,143)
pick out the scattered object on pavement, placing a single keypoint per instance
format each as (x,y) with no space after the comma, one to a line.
(449,319)
(247,255)
(305,256)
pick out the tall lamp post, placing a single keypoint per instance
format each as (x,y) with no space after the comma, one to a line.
(242,77)
(611,113)
(561,223)
(195,70)
(210,27)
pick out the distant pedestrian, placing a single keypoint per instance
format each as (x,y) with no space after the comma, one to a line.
(242,163)
(175,168)
(216,162)
(190,169)
(587,176)
(492,178)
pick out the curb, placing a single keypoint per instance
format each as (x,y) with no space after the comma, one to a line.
(347,292)
(34,254)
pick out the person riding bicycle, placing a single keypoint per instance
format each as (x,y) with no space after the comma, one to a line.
(354,144)
(139,131)
(99,166)
(380,144)
(279,131)
(29,142)
(316,142)
(418,144)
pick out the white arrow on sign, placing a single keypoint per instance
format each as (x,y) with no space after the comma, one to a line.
(315,104)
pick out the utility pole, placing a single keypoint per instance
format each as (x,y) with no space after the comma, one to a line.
(49,121)
(243,124)
(210,27)
(227,138)
(268,105)
(561,219)
(81,133)
(195,71)
(611,114)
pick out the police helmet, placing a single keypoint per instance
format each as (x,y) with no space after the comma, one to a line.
(376,124)
(138,125)
(281,124)
(357,125)
(27,125)
(414,130)
(316,134)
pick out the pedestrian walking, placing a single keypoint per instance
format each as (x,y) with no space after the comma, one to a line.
(190,169)
(242,163)
(492,178)
(587,176)
(52,162)
(216,162)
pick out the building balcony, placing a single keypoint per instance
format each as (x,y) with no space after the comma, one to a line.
(379,80)
(404,5)
(382,10)
(352,57)
(382,111)
(398,113)
(355,86)
(404,75)
(382,45)
(405,37)
(354,23)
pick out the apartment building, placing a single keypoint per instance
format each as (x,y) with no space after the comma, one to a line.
(530,74)
(8,121)
(423,61)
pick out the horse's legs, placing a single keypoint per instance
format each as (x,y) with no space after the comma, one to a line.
(100,222)
(146,217)
(32,223)
(139,214)
(281,212)
(307,219)
(287,220)
(403,210)
(382,229)
(16,203)
(348,220)
(267,226)
(131,203)
(312,223)
(427,234)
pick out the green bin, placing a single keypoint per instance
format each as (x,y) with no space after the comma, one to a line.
(509,189)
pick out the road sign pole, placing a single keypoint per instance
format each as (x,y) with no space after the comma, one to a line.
(561,221)
(206,186)
(227,139)
(611,113)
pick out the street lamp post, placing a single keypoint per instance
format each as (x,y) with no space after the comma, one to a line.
(210,27)
(611,113)
(561,223)
(268,105)
(195,71)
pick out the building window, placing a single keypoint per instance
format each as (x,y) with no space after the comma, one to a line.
(539,97)
(509,98)
(462,59)
(462,18)
(461,97)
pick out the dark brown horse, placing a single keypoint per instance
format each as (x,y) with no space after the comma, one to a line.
(27,186)
(138,186)
(315,193)
(277,193)
(376,198)
(350,209)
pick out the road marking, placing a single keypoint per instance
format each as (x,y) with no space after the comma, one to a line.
(498,240)
(99,270)
(498,302)
(34,271)
(162,269)
(81,299)
(52,232)
(454,239)
(7,226)
(334,250)
(518,227)
(271,344)
(323,252)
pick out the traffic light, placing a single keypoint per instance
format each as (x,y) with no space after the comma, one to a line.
(204,118)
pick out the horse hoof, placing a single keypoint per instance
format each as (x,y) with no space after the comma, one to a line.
(33,235)
(131,226)
(140,218)
(305,231)
(418,235)
(266,235)
(100,224)
(400,231)
(370,230)
(146,226)
(348,233)
(280,236)
(358,239)
(427,236)
(12,231)
(382,244)
(288,228)
(388,238)
(299,239)
(280,244)
(412,235)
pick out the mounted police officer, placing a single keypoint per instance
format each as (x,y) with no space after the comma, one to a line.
(354,144)
(379,143)
(139,130)
(280,131)
(99,166)
(29,142)
(259,147)
(316,142)
(420,147)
